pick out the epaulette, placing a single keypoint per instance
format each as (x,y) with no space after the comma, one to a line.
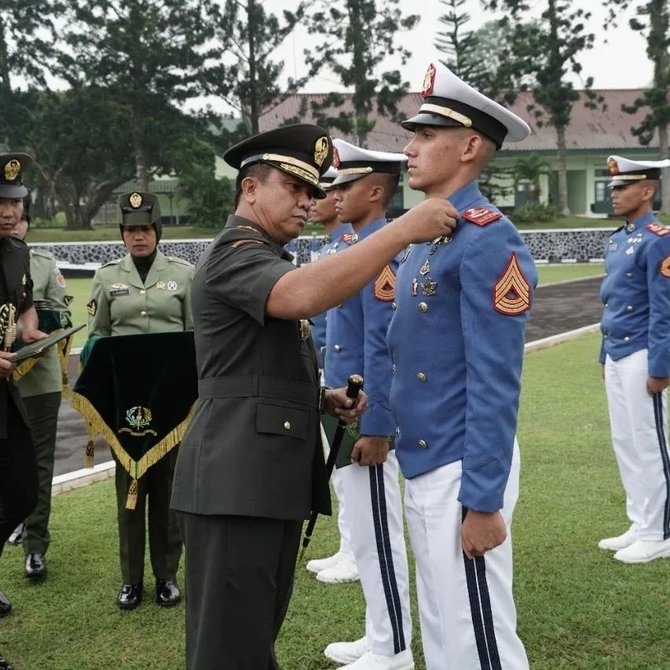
(16,241)
(349,238)
(181,261)
(42,253)
(116,261)
(481,216)
(239,243)
(658,229)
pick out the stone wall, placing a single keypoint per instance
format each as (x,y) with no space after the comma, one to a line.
(552,246)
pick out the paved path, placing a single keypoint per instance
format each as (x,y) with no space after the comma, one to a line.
(558,308)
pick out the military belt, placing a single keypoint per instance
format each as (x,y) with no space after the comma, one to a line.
(248,386)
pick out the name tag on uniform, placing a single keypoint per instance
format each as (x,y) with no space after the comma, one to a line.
(120,291)
(612,246)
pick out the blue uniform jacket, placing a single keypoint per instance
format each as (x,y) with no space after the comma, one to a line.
(456,341)
(338,239)
(636,294)
(356,343)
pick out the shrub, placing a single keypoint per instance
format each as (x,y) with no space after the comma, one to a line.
(534,214)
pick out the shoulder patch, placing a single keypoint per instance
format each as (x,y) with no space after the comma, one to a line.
(481,215)
(658,229)
(511,293)
(664,268)
(42,253)
(239,243)
(116,261)
(349,238)
(385,285)
(92,307)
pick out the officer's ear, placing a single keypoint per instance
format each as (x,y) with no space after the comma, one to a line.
(376,193)
(248,188)
(649,190)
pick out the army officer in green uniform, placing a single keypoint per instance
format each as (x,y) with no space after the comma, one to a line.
(41,389)
(250,467)
(144,292)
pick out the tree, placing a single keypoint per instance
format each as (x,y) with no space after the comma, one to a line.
(358,35)
(494,75)
(210,199)
(545,50)
(148,55)
(652,20)
(530,169)
(27,39)
(248,78)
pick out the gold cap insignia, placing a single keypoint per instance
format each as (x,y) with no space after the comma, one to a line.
(428,81)
(135,200)
(321,150)
(12,169)
(612,166)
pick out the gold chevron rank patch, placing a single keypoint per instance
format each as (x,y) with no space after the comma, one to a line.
(92,307)
(665,267)
(511,294)
(385,285)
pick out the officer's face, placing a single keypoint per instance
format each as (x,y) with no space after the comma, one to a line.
(140,240)
(629,199)
(323,210)
(281,205)
(11,210)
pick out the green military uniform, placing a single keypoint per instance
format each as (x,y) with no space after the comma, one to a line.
(250,467)
(122,304)
(41,390)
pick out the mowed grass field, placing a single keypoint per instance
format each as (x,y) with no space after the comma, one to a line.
(80,288)
(578,608)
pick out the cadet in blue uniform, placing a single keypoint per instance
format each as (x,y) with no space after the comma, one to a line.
(341,566)
(635,354)
(356,343)
(456,341)
(250,467)
(18,471)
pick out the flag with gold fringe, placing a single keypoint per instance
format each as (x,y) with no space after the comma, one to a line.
(138,393)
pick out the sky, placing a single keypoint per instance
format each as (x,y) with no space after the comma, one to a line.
(618,59)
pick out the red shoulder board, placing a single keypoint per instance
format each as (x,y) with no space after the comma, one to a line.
(349,238)
(481,216)
(658,229)
(664,269)
(385,285)
(239,243)
(511,294)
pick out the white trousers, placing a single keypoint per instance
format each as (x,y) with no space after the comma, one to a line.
(466,608)
(373,514)
(640,440)
(345,540)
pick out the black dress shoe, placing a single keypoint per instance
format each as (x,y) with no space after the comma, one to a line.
(130,596)
(16,537)
(167,593)
(4,665)
(36,566)
(5,605)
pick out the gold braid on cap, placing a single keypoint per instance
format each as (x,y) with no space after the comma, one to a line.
(448,112)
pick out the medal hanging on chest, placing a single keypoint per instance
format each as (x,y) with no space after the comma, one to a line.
(427,284)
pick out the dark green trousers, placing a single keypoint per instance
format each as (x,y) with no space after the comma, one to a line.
(239,579)
(42,413)
(164,537)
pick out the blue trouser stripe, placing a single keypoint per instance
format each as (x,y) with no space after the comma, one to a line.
(380,519)
(481,612)
(665,459)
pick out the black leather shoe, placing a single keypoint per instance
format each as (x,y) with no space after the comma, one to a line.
(167,593)
(4,665)
(130,596)
(5,605)
(16,537)
(36,566)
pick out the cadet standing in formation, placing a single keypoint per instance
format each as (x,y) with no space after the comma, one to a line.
(144,292)
(18,472)
(356,343)
(340,567)
(41,389)
(457,340)
(635,354)
(251,467)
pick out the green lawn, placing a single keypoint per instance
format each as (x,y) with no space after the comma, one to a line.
(578,608)
(551,274)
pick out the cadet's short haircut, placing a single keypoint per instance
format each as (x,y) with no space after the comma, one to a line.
(390,184)
(259,170)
